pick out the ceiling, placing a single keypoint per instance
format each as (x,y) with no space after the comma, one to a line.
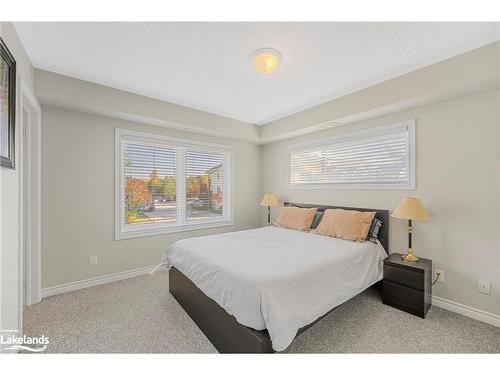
(207,65)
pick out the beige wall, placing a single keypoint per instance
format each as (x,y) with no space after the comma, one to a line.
(56,90)
(9,197)
(78,197)
(457,177)
(470,73)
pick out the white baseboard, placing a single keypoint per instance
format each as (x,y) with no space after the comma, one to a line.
(63,288)
(471,312)
(456,307)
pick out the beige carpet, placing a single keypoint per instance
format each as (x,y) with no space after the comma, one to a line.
(139,316)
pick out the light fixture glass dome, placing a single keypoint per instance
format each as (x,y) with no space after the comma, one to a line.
(266,60)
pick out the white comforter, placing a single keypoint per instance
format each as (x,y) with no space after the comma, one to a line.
(277,279)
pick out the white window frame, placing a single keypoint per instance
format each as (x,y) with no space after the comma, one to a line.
(367,133)
(121,230)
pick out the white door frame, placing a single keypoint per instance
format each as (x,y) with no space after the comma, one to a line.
(30,199)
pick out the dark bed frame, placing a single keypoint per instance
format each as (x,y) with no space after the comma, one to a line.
(222,329)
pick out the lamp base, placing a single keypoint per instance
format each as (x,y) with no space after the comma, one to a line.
(410,257)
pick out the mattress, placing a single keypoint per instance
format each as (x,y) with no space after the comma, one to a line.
(277,279)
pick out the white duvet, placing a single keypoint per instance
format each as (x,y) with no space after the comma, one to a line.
(277,279)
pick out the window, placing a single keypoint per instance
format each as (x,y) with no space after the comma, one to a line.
(379,158)
(168,185)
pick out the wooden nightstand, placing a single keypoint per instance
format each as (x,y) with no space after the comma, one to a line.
(407,285)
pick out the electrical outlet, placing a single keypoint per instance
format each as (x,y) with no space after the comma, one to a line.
(484,286)
(441,275)
(92,260)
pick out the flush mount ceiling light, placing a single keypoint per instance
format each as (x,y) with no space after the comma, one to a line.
(266,60)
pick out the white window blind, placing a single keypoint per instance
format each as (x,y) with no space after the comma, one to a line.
(149,183)
(378,158)
(204,182)
(169,184)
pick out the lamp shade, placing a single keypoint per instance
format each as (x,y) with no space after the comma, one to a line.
(269,200)
(411,209)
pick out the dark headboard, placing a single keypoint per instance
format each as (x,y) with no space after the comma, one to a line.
(383,215)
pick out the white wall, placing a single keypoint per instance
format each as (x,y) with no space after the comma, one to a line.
(458,167)
(9,200)
(78,197)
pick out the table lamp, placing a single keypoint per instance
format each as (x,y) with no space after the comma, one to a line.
(269,200)
(410,209)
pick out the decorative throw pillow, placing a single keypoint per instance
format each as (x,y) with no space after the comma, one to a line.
(374,230)
(348,225)
(296,218)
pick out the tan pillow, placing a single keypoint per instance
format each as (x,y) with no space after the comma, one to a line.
(296,218)
(348,225)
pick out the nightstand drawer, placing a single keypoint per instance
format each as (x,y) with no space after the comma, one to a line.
(407,299)
(402,276)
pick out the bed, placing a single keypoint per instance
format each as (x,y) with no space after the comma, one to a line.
(253,291)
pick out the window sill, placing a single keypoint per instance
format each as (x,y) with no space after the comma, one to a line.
(137,233)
